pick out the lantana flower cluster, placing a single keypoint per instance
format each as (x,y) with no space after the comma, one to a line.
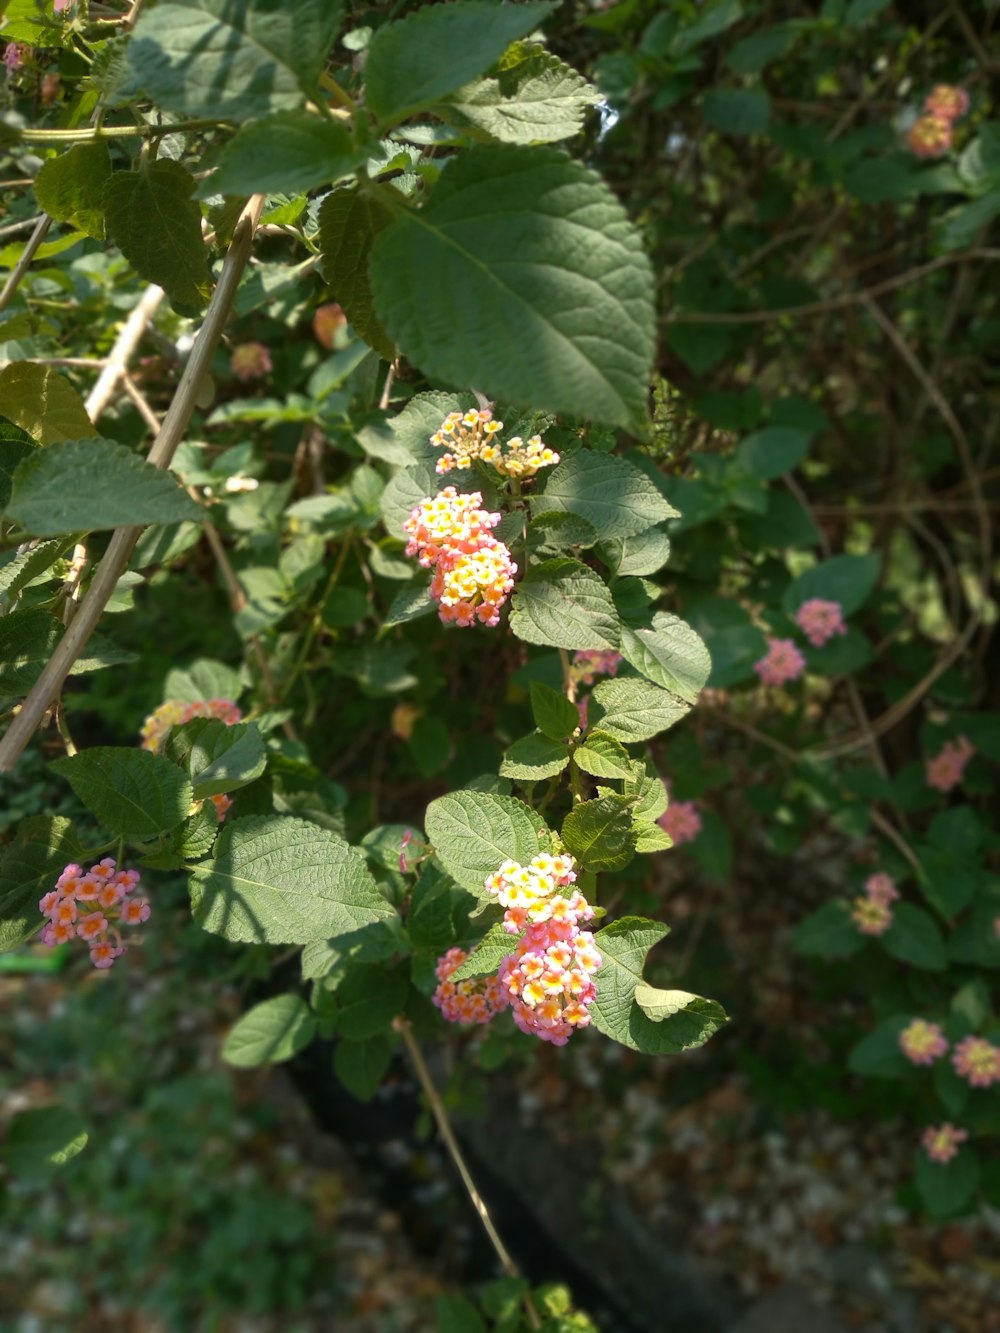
(922,1042)
(473,572)
(589,663)
(932,133)
(947,769)
(783,662)
(977,1061)
(89,905)
(174,713)
(474,1000)
(872,911)
(548,979)
(941,1142)
(820,620)
(467,436)
(681,822)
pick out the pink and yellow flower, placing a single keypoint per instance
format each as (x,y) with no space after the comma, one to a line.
(947,102)
(474,1000)
(820,620)
(781,663)
(922,1043)
(473,572)
(871,917)
(930,136)
(681,821)
(977,1061)
(947,769)
(85,906)
(941,1142)
(475,435)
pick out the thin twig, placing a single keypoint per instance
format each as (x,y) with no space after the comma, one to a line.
(121,353)
(402,1026)
(24,263)
(123,540)
(833,302)
(390,376)
(15,228)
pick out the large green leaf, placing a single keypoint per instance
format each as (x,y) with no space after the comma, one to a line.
(523,276)
(670,654)
(539,99)
(361,1065)
(271,1031)
(368,999)
(289,152)
(43,846)
(27,639)
(947,1188)
(553,713)
(86,485)
(43,403)
(879,1054)
(847,579)
(223,758)
(230,59)
(42,1139)
(280,880)
(665,1022)
(609,492)
(915,938)
(420,59)
(156,224)
(534,757)
(633,710)
(600,833)
(496,945)
(29,565)
(135,794)
(70,187)
(566,604)
(474,832)
(348,225)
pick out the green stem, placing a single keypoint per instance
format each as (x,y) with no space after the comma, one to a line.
(316,624)
(88,133)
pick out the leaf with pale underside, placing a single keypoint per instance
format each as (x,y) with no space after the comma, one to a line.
(43,403)
(524,276)
(540,99)
(612,494)
(70,187)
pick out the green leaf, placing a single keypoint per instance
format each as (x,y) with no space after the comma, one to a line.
(226,61)
(28,566)
(828,932)
(223,758)
(534,757)
(600,833)
(637,556)
(449,285)
(474,832)
(914,937)
(879,1055)
(847,579)
(609,492)
(418,60)
(564,603)
(556,531)
(772,452)
(410,603)
(203,679)
(288,152)
(43,846)
(43,403)
(457,1314)
(156,224)
(280,880)
(737,110)
(70,187)
(272,1031)
(135,794)
(670,654)
(860,11)
(947,1188)
(633,710)
(975,940)
(361,1065)
(488,954)
(603,757)
(685,1020)
(369,998)
(734,642)
(554,715)
(756,52)
(646,786)
(43,1139)
(27,639)
(331,959)
(87,485)
(348,225)
(537,100)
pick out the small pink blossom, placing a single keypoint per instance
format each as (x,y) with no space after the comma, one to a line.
(48,902)
(590,663)
(15,55)
(681,822)
(820,620)
(474,1000)
(922,1043)
(946,769)
(977,1061)
(223,804)
(880,888)
(582,709)
(92,927)
(930,136)
(781,663)
(941,1141)
(250,361)
(85,906)
(135,911)
(947,102)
